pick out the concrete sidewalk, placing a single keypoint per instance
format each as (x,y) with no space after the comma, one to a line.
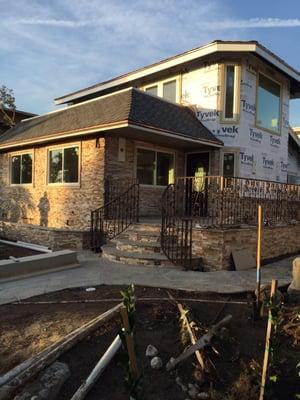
(95,271)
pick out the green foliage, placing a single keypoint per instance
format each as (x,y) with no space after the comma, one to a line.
(128,297)
(7,98)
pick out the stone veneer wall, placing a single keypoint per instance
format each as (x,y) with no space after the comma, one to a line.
(150,196)
(215,245)
(69,206)
(54,238)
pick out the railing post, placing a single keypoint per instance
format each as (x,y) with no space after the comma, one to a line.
(138,202)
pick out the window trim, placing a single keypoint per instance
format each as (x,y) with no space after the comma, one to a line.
(160,86)
(259,72)
(236,93)
(156,150)
(64,146)
(18,153)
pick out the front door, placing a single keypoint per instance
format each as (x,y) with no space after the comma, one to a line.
(197,167)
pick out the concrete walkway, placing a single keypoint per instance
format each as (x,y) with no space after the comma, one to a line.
(94,271)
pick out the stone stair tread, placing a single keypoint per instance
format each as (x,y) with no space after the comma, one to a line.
(111,249)
(136,243)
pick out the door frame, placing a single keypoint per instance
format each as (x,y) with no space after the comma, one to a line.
(196,152)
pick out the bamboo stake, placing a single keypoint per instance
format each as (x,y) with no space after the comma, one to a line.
(83,390)
(258,258)
(267,346)
(29,368)
(191,334)
(129,342)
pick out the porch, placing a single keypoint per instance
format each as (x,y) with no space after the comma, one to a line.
(203,219)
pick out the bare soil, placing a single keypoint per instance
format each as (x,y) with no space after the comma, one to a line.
(7,251)
(232,374)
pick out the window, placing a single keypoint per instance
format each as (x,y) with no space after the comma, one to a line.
(268,104)
(152,90)
(169,91)
(21,169)
(64,165)
(228,165)
(231,92)
(164,89)
(155,168)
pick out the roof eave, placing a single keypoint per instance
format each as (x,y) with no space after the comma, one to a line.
(217,46)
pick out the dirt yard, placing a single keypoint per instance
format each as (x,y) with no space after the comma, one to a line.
(232,364)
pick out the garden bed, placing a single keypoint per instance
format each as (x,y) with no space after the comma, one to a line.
(234,373)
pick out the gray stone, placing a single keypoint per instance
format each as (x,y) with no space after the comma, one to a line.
(193,390)
(294,288)
(151,351)
(47,384)
(181,384)
(156,363)
(203,396)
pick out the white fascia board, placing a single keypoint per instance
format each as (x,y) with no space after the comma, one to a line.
(181,59)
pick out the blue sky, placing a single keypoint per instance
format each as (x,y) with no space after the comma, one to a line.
(50,48)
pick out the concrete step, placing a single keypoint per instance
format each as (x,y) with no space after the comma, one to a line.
(136,246)
(109,252)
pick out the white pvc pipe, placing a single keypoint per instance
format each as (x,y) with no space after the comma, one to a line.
(30,246)
(97,371)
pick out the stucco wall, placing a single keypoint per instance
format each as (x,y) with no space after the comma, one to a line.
(67,207)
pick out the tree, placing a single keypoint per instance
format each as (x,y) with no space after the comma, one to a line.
(7,103)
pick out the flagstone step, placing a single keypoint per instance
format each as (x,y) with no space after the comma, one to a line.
(110,252)
(140,236)
(136,246)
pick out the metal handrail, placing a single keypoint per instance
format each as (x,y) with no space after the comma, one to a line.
(114,217)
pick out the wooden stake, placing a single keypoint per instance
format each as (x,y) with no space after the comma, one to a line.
(258,257)
(267,345)
(129,342)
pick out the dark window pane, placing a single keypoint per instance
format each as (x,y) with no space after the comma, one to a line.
(229,91)
(55,166)
(268,104)
(145,166)
(26,169)
(228,166)
(165,169)
(169,91)
(16,169)
(71,164)
(152,90)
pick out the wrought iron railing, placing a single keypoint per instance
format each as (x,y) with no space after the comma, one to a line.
(221,202)
(115,216)
(176,230)
(218,201)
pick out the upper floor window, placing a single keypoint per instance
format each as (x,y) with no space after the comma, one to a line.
(155,167)
(231,92)
(64,165)
(268,104)
(21,169)
(165,89)
(152,90)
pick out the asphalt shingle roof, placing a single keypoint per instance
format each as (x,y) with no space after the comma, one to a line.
(133,106)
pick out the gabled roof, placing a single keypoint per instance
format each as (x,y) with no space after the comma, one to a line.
(128,108)
(181,60)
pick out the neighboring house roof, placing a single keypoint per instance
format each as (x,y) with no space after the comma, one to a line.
(128,108)
(16,115)
(218,46)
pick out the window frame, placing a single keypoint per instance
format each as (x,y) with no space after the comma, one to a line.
(20,153)
(236,92)
(160,88)
(155,150)
(63,147)
(236,152)
(280,104)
